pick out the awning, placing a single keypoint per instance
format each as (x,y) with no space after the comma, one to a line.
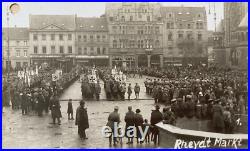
(91,57)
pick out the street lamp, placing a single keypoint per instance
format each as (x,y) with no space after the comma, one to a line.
(13,9)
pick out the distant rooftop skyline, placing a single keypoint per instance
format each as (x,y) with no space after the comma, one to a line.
(90,9)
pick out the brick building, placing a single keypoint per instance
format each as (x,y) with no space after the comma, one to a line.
(92,41)
(185,35)
(236,33)
(135,34)
(18,45)
(52,40)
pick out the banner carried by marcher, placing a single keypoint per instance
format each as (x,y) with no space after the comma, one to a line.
(92,78)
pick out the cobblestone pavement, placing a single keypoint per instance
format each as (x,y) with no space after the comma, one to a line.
(31,131)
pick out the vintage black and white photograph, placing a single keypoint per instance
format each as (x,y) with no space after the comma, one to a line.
(124,75)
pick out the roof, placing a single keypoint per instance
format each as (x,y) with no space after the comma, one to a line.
(244,21)
(16,33)
(91,24)
(183,13)
(41,21)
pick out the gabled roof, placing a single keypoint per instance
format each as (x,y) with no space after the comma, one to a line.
(244,22)
(184,13)
(66,22)
(16,33)
(91,24)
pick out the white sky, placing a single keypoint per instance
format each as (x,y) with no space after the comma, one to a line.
(88,9)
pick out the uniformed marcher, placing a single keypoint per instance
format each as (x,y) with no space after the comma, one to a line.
(218,120)
(168,116)
(129,91)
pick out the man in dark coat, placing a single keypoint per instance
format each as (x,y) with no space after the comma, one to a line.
(82,120)
(130,121)
(24,103)
(55,110)
(113,118)
(129,91)
(156,117)
(40,104)
(217,121)
(138,123)
(97,90)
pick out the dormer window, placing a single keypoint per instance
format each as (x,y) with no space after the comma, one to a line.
(170,15)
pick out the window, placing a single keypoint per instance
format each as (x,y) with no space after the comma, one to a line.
(25,43)
(44,49)
(98,38)
(85,38)
(168,25)
(17,43)
(53,49)
(61,49)
(69,49)
(180,26)
(103,50)
(157,43)
(189,36)
(157,30)
(170,37)
(52,37)
(35,37)
(148,18)
(35,50)
(180,35)
(199,15)
(91,50)
(103,37)
(91,37)
(18,53)
(169,15)
(114,44)
(79,37)
(18,65)
(85,51)
(25,53)
(131,18)
(79,50)
(98,51)
(189,26)
(69,37)
(199,37)
(61,37)
(123,18)
(43,37)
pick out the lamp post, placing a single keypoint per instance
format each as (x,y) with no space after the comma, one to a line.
(13,8)
(8,56)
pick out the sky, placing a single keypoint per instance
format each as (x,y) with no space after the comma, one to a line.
(88,9)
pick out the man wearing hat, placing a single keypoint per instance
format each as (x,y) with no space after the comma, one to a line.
(113,118)
(218,120)
(156,117)
(138,123)
(168,116)
(55,110)
(190,110)
(82,120)
(130,121)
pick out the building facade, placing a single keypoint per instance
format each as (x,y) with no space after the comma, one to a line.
(236,33)
(135,34)
(52,40)
(18,47)
(185,35)
(92,43)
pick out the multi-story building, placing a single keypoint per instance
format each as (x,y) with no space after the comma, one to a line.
(92,43)
(135,34)
(236,33)
(184,35)
(18,47)
(52,40)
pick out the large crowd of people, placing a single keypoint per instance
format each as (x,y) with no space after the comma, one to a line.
(204,93)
